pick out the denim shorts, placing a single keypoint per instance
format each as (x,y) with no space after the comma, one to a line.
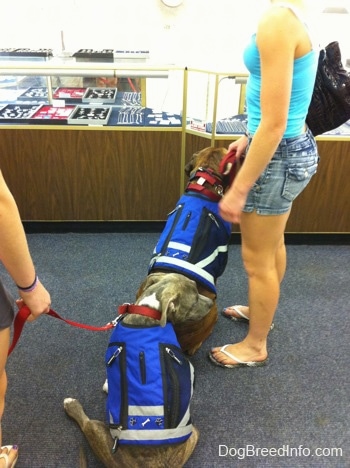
(288,173)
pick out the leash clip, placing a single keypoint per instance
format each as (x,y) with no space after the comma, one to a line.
(118,319)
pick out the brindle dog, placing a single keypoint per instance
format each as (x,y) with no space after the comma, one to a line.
(193,311)
(192,333)
(178,300)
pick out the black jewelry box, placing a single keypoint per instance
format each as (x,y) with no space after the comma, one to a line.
(90,55)
(12,113)
(100,95)
(26,52)
(90,115)
(34,94)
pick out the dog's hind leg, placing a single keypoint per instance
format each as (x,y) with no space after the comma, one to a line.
(100,441)
(174,455)
(182,452)
(96,432)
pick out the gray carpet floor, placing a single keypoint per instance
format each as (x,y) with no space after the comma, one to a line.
(292,413)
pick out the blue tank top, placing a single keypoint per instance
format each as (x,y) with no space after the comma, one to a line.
(304,73)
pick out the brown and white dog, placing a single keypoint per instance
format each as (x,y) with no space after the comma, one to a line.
(205,188)
(177,298)
(185,301)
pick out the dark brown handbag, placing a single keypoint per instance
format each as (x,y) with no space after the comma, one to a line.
(330,103)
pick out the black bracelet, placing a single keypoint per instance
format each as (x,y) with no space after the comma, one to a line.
(31,287)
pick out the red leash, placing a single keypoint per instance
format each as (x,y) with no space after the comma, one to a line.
(24,313)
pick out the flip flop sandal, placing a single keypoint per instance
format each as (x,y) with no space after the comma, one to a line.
(5,457)
(241,316)
(234,358)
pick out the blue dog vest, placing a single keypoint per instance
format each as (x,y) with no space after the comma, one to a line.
(194,241)
(150,385)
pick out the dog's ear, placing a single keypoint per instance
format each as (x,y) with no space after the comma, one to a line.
(190,165)
(168,308)
(148,281)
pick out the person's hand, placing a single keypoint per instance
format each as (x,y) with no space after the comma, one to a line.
(239,146)
(231,205)
(38,301)
(229,164)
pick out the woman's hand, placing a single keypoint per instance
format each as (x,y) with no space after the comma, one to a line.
(38,301)
(239,146)
(232,204)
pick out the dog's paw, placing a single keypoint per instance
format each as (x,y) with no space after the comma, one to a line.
(105,386)
(74,409)
(68,401)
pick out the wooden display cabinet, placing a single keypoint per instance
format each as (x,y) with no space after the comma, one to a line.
(111,173)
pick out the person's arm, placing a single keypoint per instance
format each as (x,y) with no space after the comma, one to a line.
(15,255)
(276,43)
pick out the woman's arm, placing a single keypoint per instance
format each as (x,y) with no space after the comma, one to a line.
(15,255)
(276,41)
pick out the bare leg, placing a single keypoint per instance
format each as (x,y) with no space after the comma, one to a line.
(281,262)
(4,346)
(264,258)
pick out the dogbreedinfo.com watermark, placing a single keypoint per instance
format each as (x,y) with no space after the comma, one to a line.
(250,451)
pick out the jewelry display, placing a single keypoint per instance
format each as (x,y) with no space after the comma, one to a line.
(25,52)
(90,54)
(131,99)
(52,115)
(161,119)
(93,102)
(13,112)
(131,116)
(34,93)
(75,94)
(85,115)
(110,54)
(100,95)
(236,124)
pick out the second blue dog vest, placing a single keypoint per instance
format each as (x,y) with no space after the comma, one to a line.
(194,241)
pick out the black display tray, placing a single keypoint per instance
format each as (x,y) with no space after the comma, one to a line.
(26,52)
(104,55)
(13,113)
(34,93)
(90,115)
(100,95)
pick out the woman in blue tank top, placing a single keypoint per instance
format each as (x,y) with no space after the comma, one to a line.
(280,159)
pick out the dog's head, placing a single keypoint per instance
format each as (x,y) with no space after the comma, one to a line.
(208,158)
(175,295)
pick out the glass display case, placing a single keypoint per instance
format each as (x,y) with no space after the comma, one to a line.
(215,103)
(88,88)
(122,89)
(216,108)
(103,152)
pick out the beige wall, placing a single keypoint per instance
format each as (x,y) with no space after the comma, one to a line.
(198,33)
